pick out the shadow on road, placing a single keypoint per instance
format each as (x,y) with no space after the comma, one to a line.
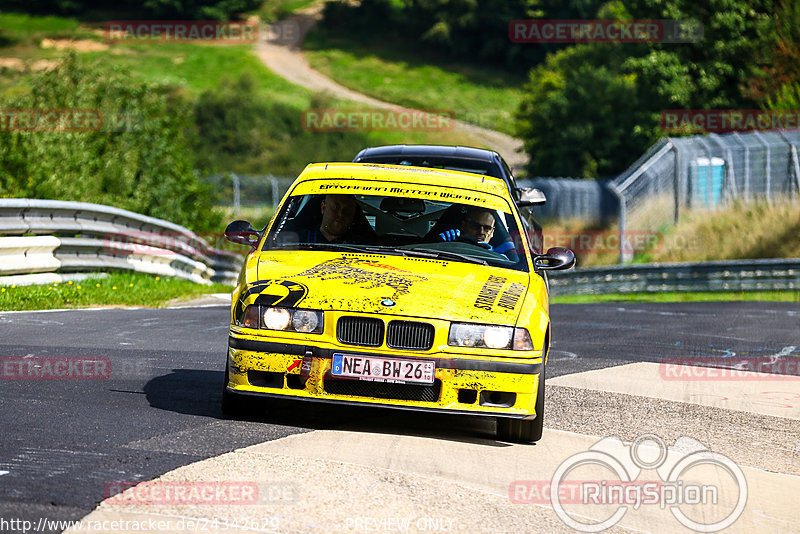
(199,392)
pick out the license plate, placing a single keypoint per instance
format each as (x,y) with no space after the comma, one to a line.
(383,369)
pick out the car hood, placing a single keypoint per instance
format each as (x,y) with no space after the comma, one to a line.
(388,284)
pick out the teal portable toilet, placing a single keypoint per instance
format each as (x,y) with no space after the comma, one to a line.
(707,186)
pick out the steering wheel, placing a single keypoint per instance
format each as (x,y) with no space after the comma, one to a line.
(472,241)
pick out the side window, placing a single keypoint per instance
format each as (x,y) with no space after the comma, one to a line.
(510,179)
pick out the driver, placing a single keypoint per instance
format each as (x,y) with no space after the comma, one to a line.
(477,224)
(338,213)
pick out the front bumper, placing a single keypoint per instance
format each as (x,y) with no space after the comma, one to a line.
(479,386)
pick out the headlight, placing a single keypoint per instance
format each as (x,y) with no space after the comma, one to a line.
(277,318)
(489,336)
(306,320)
(286,319)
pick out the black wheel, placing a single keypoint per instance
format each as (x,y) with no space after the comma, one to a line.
(232,404)
(524,430)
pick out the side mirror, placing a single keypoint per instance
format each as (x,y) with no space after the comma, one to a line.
(529,196)
(242,232)
(556,259)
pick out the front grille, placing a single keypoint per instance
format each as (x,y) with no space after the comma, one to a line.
(409,335)
(362,331)
(383,390)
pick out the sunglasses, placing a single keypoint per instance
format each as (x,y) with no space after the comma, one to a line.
(482,227)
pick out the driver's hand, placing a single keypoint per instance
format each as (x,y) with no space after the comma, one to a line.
(485,245)
(450,235)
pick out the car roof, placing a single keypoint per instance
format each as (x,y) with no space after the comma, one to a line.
(405,173)
(442,151)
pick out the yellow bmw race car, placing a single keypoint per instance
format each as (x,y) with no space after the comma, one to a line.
(394,286)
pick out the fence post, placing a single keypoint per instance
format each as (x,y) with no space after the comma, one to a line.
(729,178)
(676,178)
(275,198)
(795,164)
(237,204)
(746,193)
(622,210)
(768,165)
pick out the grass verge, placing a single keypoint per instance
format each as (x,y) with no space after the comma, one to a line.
(393,71)
(117,289)
(699,296)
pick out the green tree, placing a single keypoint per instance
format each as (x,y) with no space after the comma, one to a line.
(138,158)
(580,116)
(602,103)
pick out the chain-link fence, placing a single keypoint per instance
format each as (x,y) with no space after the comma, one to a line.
(705,171)
(250,197)
(239,190)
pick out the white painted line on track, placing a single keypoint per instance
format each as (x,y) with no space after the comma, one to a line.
(13,312)
(4,473)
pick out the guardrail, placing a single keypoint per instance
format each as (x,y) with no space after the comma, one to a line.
(728,275)
(78,237)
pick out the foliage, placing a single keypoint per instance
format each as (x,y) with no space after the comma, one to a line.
(580,114)
(274,10)
(779,63)
(602,109)
(787,97)
(151,9)
(136,159)
(240,132)
(474,30)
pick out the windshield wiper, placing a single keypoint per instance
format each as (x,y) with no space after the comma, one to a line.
(450,255)
(321,246)
(378,249)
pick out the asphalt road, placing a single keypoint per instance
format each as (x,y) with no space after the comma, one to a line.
(64,442)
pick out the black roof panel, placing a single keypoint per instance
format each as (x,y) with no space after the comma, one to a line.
(429,150)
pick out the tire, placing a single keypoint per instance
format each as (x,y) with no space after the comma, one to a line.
(524,430)
(232,404)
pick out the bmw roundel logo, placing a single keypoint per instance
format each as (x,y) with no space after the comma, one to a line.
(388,303)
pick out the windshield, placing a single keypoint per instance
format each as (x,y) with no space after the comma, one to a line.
(401,226)
(473,166)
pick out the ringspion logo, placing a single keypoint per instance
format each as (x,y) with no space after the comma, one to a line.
(592,490)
